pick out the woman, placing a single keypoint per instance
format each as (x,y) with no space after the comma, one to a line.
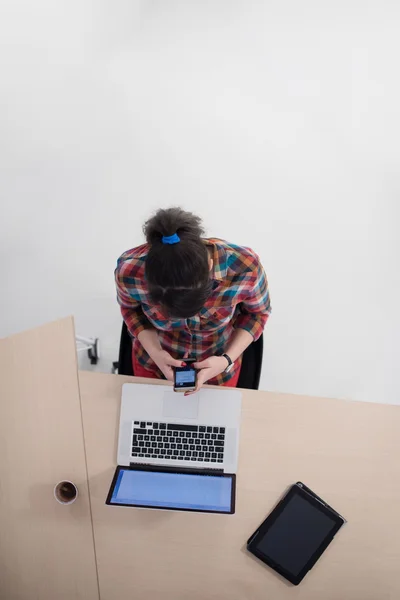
(183,296)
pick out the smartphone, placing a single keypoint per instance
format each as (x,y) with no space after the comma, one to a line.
(185,378)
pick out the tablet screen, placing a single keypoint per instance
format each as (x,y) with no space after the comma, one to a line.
(296,535)
(172,490)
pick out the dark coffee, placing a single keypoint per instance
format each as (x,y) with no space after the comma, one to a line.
(65,492)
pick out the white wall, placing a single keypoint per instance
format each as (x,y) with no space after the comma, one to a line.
(277,121)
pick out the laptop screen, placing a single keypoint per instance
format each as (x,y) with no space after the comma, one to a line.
(173,490)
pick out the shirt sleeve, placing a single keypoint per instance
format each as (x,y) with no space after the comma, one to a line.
(256,307)
(131,309)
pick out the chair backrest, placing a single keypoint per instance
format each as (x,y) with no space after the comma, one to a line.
(250,372)
(125,366)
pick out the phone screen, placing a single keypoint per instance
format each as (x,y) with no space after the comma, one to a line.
(185,377)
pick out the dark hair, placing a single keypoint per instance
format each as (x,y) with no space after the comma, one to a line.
(178,275)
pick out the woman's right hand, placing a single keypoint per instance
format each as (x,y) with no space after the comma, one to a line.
(165,362)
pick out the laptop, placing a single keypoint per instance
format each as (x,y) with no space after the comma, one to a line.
(177,452)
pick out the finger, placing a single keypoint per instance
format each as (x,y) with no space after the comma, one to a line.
(207,375)
(168,372)
(193,392)
(201,378)
(197,388)
(172,362)
(204,364)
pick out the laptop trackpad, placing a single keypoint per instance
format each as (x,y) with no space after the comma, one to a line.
(180,406)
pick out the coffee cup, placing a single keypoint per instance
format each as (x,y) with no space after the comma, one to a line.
(65,492)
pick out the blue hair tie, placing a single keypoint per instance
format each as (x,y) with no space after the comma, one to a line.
(171,239)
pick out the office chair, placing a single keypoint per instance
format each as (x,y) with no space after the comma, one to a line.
(250,372)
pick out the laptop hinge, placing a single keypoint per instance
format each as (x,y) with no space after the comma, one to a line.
(173,469)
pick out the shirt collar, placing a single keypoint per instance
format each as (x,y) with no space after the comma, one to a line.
(218,254)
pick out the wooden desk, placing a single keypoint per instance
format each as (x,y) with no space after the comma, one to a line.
(348,452)
(46,549)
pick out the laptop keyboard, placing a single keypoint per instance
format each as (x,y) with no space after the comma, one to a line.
(171,441)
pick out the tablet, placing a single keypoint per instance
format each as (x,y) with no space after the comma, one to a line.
(296,533)
(196,490)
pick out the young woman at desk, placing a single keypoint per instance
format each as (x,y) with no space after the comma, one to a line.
(184,296)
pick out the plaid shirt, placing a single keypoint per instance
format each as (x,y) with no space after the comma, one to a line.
(239,300)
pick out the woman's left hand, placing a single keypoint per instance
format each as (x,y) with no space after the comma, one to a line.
(208,369)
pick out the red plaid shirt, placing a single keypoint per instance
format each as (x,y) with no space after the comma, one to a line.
(239,300)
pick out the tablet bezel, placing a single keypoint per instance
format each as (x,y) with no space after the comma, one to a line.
(173,470)
(306,494)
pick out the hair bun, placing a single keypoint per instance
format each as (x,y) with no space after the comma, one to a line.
(170,221)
